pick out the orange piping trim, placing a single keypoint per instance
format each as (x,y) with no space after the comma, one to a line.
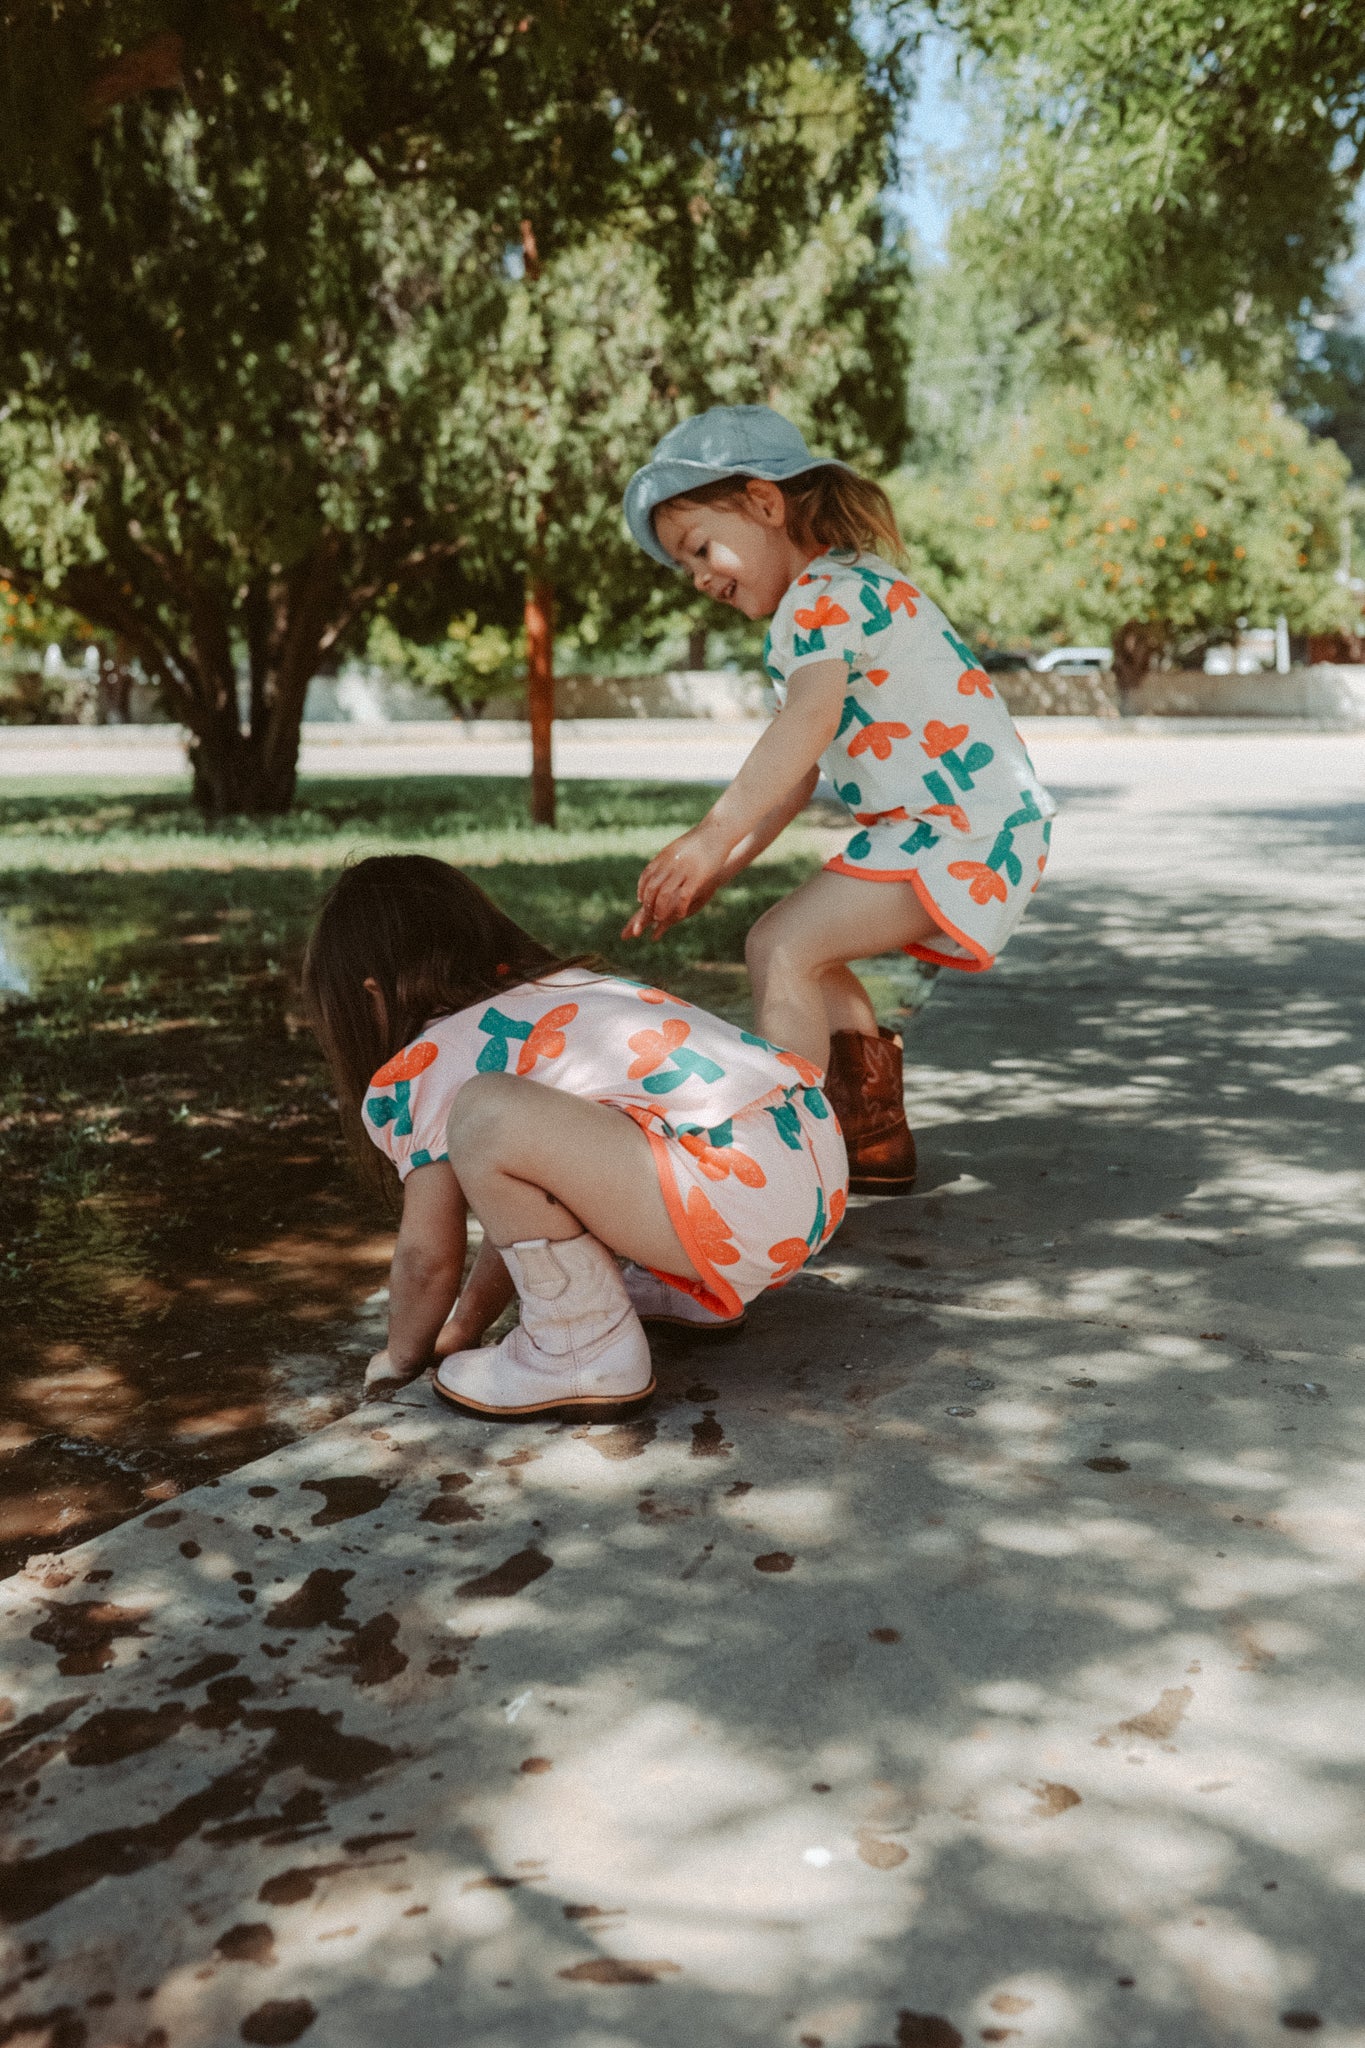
(980,959)
(718,1288)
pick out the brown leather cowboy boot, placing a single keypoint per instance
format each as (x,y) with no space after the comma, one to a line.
(864,1085)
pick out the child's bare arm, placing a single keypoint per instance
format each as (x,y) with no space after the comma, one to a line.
(483,1298)
(773,784)
(739,857)
(424,1277)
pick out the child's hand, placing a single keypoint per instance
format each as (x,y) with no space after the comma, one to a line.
(382,1376)
(678,881)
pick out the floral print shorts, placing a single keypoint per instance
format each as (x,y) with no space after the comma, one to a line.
(754,1197)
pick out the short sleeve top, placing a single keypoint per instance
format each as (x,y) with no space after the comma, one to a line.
(610,1040)
(923,734)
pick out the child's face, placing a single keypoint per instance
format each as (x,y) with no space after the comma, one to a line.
(737,551)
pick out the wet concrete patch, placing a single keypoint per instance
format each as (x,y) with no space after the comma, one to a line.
(84,1632)
(450,1506)
(278,2022)
(371,1655)
(514,1575)
(320,1601)
(346,1497)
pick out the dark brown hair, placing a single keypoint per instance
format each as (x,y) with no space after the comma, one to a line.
(434,944)
(827,508)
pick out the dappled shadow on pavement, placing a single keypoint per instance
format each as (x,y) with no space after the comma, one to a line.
(970,1650)
(182,1246)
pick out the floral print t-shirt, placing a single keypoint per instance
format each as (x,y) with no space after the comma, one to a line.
(926,757)
(663,1061)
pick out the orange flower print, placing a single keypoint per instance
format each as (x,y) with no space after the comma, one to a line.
(652,1048)
(837,1205)
(652,995)
(878,737)
(953,812)
(547,1037)
(718,1159)
(405,1065)
(901,598)
(788,1257)
(941,739)
(974,680)
(877,676)
(710,1231)
(881,817)
(811,1076)
(986,887)
(824,612)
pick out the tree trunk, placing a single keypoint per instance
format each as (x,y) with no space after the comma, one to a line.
(289,620)
(1137,644)
(233,777)
(696,647)
(540,696)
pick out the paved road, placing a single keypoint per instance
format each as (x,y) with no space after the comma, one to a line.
(970,1651)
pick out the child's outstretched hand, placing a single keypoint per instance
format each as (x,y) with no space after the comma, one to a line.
(682,877)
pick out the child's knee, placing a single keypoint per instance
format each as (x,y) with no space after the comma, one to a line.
(779,943)
(478,1112)
(767,938)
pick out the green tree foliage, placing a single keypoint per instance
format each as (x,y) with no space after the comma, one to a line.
(469,663)
(978,355)
(243,317)
(1132,511)
(1172,165)
(593,362)
(1327,390)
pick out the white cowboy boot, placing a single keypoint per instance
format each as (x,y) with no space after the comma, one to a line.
(578,1350)
(654,1301)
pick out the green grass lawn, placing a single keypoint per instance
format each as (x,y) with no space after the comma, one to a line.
(174,1204)
(95,885)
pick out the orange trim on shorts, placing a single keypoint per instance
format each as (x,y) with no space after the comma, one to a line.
(715,1292)
(980,959)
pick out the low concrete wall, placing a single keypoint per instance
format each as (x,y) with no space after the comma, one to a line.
(1088,694)
(1326,691)
(679,693)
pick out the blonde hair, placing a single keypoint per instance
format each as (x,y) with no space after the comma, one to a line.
(827,507)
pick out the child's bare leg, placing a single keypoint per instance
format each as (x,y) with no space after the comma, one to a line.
(536,1162)
(483,1298)
(797,952)
(848,1006)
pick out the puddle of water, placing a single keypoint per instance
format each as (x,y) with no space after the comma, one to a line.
(14,980)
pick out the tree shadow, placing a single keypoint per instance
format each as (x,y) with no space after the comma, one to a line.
(970,1650)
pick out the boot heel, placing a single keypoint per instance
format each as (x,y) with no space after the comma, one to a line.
(865,1086)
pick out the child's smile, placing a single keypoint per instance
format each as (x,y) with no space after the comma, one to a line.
(736,551)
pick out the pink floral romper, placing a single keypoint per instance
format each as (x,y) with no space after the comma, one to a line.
(749,1154)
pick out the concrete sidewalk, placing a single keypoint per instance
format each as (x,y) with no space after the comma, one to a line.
(972,1650)
(631,749)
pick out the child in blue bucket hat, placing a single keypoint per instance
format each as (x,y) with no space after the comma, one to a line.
(874,685)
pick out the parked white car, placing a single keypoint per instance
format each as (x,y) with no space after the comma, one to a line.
(1074,657)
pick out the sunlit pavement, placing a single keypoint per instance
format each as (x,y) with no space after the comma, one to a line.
(970,1651)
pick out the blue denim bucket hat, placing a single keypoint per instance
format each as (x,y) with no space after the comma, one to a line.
(729,440)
